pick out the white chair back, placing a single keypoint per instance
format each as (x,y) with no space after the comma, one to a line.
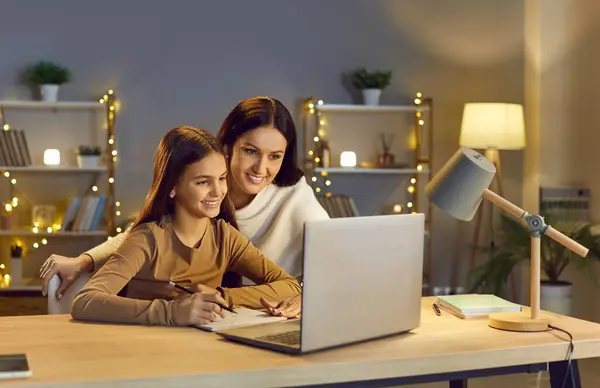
(63,306)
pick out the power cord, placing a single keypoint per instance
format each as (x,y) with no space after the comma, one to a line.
(570,357)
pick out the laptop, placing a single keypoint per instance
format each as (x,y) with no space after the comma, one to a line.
(362,280)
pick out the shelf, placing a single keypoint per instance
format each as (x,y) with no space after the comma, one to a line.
(53,169)
(51,105)
(29,233)
(380,171)
(371,108)
(21,288)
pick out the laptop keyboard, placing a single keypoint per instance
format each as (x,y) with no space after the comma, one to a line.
(290,338)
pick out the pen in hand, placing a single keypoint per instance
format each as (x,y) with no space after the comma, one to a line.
(190,292)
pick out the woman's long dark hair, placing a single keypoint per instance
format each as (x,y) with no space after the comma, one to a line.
(179,148)
(256,112)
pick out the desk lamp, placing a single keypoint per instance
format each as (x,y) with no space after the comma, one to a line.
(458,189)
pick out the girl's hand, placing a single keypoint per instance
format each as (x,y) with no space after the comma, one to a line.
(289,307)
(199,309)
(67,269)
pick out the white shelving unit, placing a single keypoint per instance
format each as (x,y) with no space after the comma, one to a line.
(356,128)
(377,171)
(94,124)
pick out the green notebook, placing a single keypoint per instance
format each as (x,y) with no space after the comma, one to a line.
(477,304)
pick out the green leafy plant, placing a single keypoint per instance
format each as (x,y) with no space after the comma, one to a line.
(84,150)
(47,72)
(514,248)
(362,79)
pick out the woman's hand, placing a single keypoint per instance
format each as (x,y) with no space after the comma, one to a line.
(289,307)
(67,269)
(199,309)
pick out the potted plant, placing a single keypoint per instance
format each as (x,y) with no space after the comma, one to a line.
(371,83)
(88,156)
(514,248)
(48,76)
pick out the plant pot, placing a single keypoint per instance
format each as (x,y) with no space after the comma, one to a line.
(49,92)
(371,96)
(88,161)
(556,297)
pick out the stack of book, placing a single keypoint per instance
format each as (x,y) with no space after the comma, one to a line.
(338,206)
(13,148)
(84,213)
(475,305)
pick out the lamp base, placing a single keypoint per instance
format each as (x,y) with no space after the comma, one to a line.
(518,322)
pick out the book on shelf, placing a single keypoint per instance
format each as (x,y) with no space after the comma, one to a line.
(84,213)
(338,206)
(14,151)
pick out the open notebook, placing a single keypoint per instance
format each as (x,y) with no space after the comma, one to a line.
(244,317)
(472,305)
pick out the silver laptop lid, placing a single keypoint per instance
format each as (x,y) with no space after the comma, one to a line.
(362,278)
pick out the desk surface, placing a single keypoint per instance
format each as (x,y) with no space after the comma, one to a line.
(61,351)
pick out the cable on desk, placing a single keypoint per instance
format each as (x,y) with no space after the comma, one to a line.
(570,357)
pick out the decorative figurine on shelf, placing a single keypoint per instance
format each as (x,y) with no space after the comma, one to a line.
(16,264)
(386,159)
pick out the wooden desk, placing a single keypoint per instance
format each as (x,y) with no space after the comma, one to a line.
(72,354)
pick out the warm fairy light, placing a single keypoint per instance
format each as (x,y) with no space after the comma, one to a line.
(413,180)
(311,105)
(8,207)
(6,127)
(409,204)
(411,189)
(114,152)
(324,173)
(114,158)
(108,238)
(36,224)
(318,189)
(49,229)
(419,167)
(397,208)
(36,245)
(312,111)
(322,122)
(418,114)
(35,229)
(119,230)
(101,101)
(7,174)
(118,213)
(94,188)
(310,153)
(110,91)
(317,160)
(13,181)
(419,95)
(417,101)
(111,180)
(328,183)
(2,266)
(314,178)
(421,122)
(44,241)
(316,139)
(117,204)
(111,141)
(112,108)
(320,102)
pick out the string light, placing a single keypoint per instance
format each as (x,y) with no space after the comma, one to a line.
(320,133)
(112,107)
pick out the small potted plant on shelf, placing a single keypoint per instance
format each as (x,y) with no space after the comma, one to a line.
(514,248)
(48,76)
(88,156)
(371,83)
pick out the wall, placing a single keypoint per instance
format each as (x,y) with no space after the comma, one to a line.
(189,63)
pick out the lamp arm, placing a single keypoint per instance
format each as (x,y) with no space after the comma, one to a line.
(536,223)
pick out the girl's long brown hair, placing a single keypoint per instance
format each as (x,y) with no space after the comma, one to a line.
(180,147)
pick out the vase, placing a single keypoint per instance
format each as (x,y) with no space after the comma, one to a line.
(88,161)
(556,297)
(49,92)
(371,96)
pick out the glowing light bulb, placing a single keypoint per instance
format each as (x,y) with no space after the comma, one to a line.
(413,180)
(417,101)
(314,178)
(8,207)
(411,189)
(117,203)
(320,102)
(397,208)
(94,188)
(13,181)
(111,180)
(36,245)
(327,183)
(409,205)
(311,105)
(44,241)
(421,122)
(110,91)
(114,152)
(119,230)
(419,167)
(318,189)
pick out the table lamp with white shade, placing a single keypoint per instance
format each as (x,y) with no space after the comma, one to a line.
(459,188)
(491,126)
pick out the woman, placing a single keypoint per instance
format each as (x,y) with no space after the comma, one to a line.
(271,196)
(185,233)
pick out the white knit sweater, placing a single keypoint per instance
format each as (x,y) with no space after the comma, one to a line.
(273,222)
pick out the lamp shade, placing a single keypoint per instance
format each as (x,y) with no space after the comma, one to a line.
(458,187)
(493,125)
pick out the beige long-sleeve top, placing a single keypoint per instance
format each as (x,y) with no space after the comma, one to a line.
(152,255)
